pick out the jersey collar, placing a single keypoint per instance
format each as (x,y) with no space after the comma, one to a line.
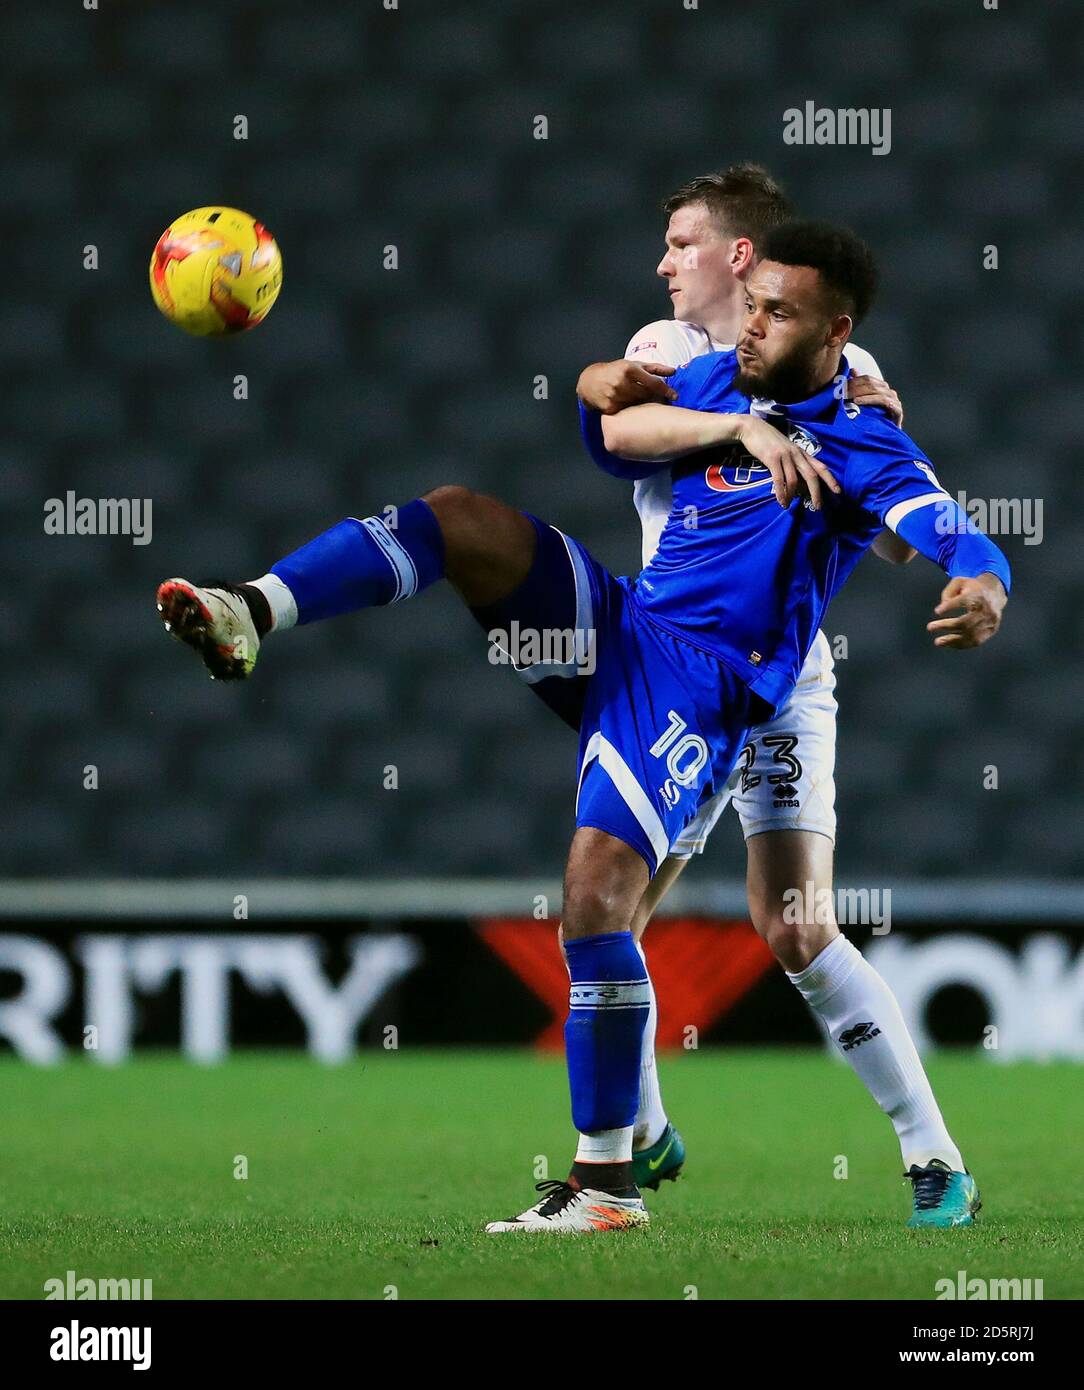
(824,403)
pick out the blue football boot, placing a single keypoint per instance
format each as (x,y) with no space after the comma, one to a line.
(942,1197)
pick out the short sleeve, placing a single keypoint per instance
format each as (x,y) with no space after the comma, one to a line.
(659,342)
(863,362)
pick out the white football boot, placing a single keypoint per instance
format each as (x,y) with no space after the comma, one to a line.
(216,622)
(570,1210)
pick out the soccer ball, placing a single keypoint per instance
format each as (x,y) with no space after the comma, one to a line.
(215,271)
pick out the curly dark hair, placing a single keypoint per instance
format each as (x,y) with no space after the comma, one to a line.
(843,260)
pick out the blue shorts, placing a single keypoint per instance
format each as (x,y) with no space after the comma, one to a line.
(661,722)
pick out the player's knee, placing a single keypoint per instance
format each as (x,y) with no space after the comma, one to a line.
(603,888)
(592,909)
(794,940)
(452,505)
(598,897)
(457,510)
(488,546)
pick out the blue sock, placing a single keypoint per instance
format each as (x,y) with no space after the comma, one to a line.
(362,564)
(607,1009)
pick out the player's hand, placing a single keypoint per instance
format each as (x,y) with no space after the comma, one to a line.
(978,604)
(611,386)
(871,390)
(794,472)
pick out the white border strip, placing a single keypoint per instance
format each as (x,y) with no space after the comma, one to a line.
(350,899)
(630,791)
(396,554)
(895,514)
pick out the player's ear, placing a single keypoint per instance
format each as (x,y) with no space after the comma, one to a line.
(839,330)
(742,256)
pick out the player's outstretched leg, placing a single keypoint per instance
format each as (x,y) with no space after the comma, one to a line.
(218,620)
(608,1002)
(483,547)
(860,1014)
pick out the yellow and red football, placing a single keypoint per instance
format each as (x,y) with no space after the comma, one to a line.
(215,271)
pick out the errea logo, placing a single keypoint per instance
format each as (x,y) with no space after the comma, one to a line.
(854,1037)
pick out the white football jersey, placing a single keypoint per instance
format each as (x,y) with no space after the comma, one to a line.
(675,343)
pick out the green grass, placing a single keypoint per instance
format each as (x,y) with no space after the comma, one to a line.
(382,1172)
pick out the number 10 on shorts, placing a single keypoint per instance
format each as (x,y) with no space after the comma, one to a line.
(685,753)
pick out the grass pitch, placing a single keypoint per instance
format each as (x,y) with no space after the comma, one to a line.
(377,1176)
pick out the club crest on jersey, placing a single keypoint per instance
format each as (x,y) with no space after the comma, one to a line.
(798,434)
(741,471)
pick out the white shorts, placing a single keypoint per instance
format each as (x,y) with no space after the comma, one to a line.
(785,776)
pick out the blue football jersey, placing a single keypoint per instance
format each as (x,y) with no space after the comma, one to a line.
(740,577)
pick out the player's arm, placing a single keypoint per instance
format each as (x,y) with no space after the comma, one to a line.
(672,431)
(866,387)
(640,439)
(899,490)
(644,438)
(888,546)
(648,437)
(611,386)
(652,354)
(663,432)
(978,571)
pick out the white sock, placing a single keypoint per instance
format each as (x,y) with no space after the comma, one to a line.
(607,1146)
(845,991)
(651,1117)
(279,599)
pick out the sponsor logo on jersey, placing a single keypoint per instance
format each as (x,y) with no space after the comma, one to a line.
(739,473)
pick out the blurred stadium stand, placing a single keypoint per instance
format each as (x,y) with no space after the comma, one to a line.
(517,257)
